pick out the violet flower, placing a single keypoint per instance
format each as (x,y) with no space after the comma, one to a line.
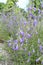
(42,5)
(32,16)
(40,47)
(39,11)
(22,40)
(15,41)
(15,48)
(25,23)
(30,8)
(37,59)
(22,33)
(9,44)
(34,9)
(35,22)
(28,35)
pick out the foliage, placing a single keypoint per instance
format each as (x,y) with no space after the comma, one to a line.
(1,6)
(8,5)
(35,3)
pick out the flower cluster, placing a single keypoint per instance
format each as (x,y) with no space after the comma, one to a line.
(26,36)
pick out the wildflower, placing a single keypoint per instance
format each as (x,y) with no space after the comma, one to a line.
(25,23)
(32,16)
(40,47)
(15,47)
(30,8)
(15,41)
(37,59)
(34,9)
(29,35)
(9,44)
(29,53)
(42,5)
(22,40)
(39,11)
(22,33)
(35,22)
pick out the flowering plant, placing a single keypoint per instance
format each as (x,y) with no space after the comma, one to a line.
(24,37)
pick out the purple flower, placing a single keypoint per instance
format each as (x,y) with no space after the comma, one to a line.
(32,16)
(30,8)
(9,44)
(39,11)
(25,23)
(15,41)
(9,41)
(22,33)
(35,22)
(22,40)
(42,5)
(15,47)
(29,35)
(40,47)
(29,53)
(37,59)
(34,9)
